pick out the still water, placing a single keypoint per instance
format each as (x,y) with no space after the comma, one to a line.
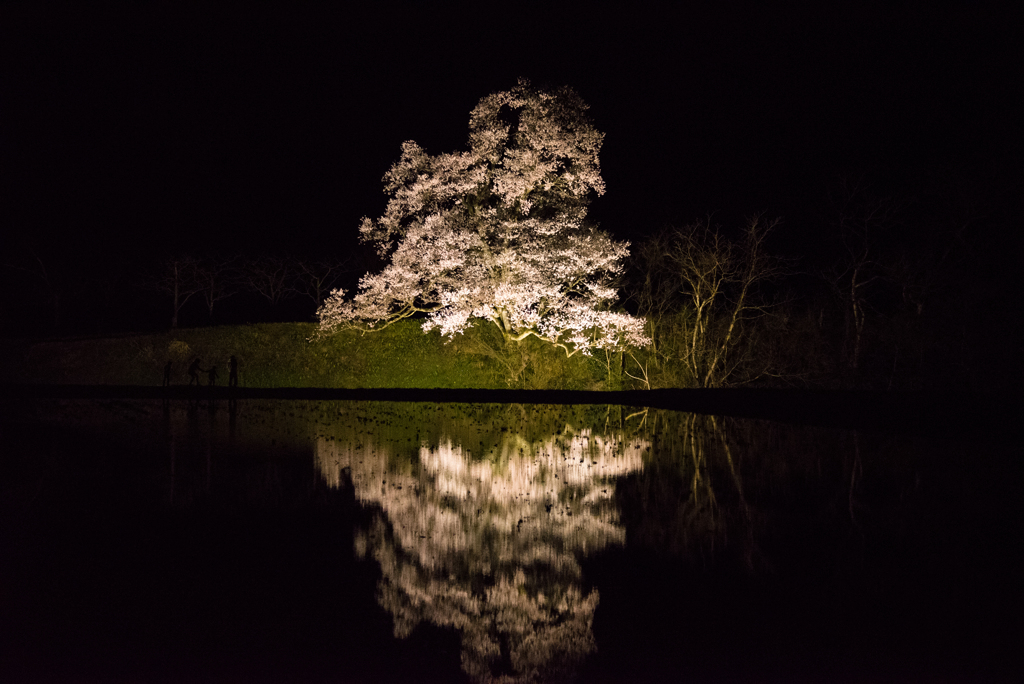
(343,541)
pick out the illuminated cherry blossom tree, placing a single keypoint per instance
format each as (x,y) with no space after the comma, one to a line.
(498,233)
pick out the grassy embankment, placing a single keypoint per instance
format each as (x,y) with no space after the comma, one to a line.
(280,355)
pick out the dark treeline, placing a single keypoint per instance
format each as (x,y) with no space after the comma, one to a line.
(55,291)
(895,291)
(900,290)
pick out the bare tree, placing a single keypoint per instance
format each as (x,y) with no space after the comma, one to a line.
(273,278)
(179,278)
(701,293)
(863,223)
(219,278)
(45,275)
(655,289)
(317,278)
(719,279)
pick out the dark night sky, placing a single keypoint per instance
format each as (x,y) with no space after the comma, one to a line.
(178,126)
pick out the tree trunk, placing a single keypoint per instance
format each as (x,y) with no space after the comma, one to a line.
(858,322)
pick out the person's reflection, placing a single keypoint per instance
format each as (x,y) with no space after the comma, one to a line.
(232,415)
(168,435)
(211,431)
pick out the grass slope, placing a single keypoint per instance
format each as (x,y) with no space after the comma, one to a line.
(281,355)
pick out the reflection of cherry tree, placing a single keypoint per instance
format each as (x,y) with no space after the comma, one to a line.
(489,543)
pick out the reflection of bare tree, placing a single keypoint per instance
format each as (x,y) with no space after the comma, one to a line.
(725,491)
(691,497)
(485,535)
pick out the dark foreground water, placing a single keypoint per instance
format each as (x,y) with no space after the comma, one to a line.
(333,541)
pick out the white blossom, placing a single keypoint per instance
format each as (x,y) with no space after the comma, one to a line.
(498,233)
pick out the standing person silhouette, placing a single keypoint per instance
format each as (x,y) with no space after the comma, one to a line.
(211,376)
(193,373)
(232,371)
(167,375)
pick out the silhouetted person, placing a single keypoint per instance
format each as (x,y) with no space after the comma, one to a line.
(211,376)
(193,373)
(232,371)
(167,374)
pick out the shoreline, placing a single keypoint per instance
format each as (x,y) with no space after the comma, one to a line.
(943,413)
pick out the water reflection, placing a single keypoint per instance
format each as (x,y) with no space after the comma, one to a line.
(481,528)
(790,547)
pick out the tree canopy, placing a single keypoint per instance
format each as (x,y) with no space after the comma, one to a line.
(498,233)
